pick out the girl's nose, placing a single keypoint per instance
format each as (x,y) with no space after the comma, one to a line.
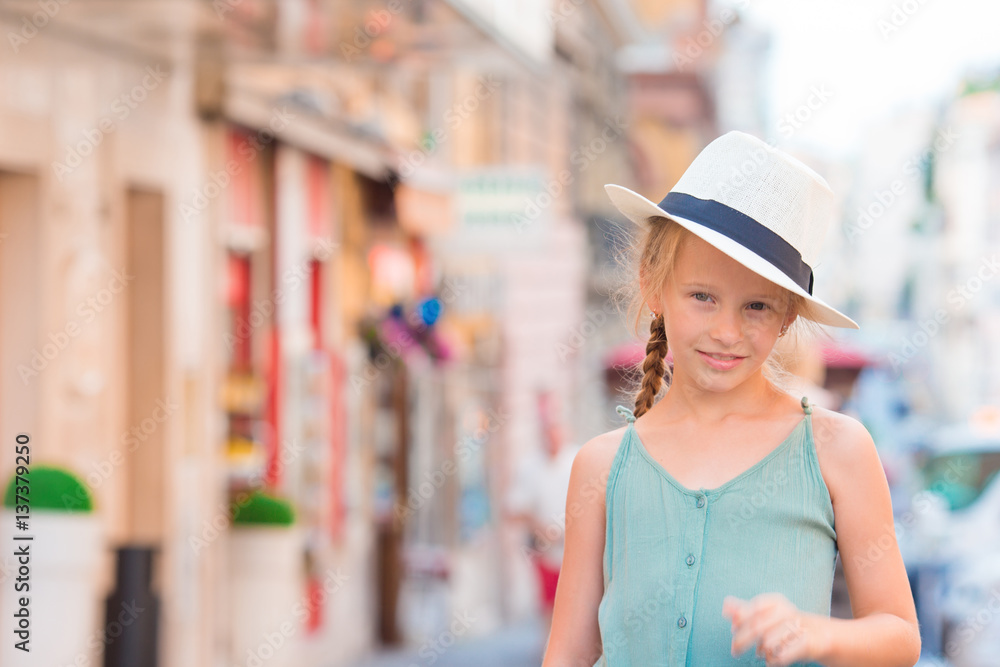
(727,328)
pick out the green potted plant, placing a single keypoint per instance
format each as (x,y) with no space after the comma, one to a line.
(262,509)
(53,507)
(265,549)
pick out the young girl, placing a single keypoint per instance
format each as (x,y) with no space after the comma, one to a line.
(705,532)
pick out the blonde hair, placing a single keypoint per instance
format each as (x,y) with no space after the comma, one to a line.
(652,254)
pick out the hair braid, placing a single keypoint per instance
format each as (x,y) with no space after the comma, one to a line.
(654,366)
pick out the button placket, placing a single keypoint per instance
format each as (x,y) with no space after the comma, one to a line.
(695,540)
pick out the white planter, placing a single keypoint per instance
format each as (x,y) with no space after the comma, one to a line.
(268,596)
(65,560)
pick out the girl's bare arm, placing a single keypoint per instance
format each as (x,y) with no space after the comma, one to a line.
(884,629)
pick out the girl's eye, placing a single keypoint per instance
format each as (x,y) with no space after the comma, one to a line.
(763,306)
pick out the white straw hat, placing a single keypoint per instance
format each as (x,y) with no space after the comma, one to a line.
(759,205)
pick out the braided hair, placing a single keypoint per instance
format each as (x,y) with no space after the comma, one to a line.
(653,367)
(657,250)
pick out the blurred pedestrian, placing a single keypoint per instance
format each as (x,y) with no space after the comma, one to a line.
(538,498)
(726,501)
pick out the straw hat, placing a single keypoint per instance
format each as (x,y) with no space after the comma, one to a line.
(759,205)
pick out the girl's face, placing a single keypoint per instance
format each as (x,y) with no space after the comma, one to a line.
(713,305)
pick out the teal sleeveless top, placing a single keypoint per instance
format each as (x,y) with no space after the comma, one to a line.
(671,554)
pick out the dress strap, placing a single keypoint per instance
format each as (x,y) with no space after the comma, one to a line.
(626,413)
(806,406)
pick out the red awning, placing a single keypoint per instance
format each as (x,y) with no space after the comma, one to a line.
(840,355)
(629,354)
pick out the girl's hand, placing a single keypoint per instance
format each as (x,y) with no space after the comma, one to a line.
(781,633)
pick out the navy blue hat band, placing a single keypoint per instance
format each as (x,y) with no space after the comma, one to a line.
(743,229)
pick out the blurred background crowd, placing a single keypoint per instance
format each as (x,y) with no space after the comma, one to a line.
(306,305)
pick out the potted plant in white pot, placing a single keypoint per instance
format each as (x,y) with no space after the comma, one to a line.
(266,560)
(57,571)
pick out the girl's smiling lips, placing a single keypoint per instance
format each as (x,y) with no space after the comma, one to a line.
(721,364)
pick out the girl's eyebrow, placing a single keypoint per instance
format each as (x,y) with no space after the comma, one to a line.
(711,288)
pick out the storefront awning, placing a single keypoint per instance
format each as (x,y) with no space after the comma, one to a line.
(311,132)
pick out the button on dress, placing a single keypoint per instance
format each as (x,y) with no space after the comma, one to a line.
(672,554)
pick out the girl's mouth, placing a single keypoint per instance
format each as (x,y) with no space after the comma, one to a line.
(722,362)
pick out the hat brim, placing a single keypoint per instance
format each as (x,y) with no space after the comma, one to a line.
(639,210)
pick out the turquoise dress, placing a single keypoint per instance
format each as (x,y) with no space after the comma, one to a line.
(671,554)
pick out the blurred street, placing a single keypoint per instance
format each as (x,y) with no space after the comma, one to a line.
(515,646)
(308,306)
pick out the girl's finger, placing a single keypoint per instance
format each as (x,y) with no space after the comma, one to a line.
(732,607)
(771,635)
(782,644)
(765,624)
(746,634)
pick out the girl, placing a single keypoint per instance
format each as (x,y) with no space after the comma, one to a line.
(705,532)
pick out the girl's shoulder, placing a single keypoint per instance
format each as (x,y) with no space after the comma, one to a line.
(593,460)
(842,444)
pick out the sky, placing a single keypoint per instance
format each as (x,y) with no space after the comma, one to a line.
(875,57)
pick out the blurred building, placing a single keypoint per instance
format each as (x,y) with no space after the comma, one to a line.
(918,224)
(959,313)
(331,250)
